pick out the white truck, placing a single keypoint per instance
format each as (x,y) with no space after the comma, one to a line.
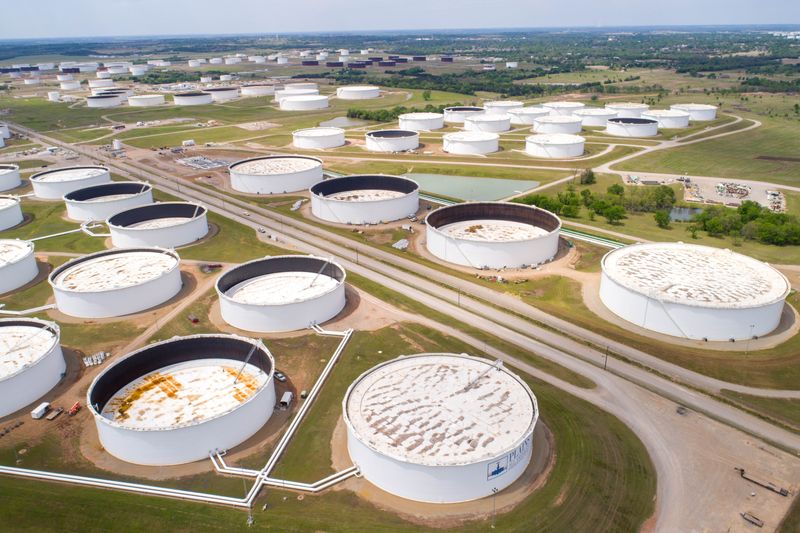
(40,410)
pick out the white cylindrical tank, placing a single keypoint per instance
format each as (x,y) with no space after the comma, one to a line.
(53,96)
(358,92)
(421,121)
(364,199)
(471,142)
(391,140)
(697,112)
(138,70)
(101,201)
(223,94)
(10,212)
(193,63)
(318,138)
(116,144)
(488,122)
(64,77)
(226,77)
(146,100)
(502,107)
(512,64)
(524,116)
(563,108)
(100,83)
(163,224)
(692,291)
(668,118)
(31,81)
(628,109)
(554,145)
(557,124)
(103,101)
(224,392)
(232,60)
(32,361)
(5,132)
(206,79)
(457,115)
(426,427)
(300,85)
(9,176)
(282,60)
(216,61)
(275,174)
(257,90)
(286,92)
(193,98)
(70,85)
(54,184)
(595,116)
(115,283)
(493,234)
(281,293)
(304,102)
(103,75)
(17,264)
(632,127)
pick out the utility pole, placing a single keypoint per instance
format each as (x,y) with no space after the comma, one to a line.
(605,361)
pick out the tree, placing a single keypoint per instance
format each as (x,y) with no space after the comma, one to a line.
(616,190)
(613,214)
(662,218)
(587,177)
(426,95)
(587,197)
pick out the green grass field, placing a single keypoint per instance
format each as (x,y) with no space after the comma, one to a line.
(47,218)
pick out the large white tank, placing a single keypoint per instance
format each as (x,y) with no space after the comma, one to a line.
(391,140)
(53,96)
(524,116)
(668,118)
(632,127)
(257,90)
(115,283)
(103,100)
(421,121)
(364,199)
(9,176)
(31,361)
(163,224)
(563,108)
(10,212)
(440,428)
(103,75)
(318,138)
(300,85)
(595,116)
(100,83)
(146,100)
(70,85)
(216,61)
(193,63)
(457,114)
(55,183)
(492,234)
(5,132)
(281,293)
(692,291)
(233,60)
(138,70)
(558,124)
(502,107)
(223,94)
(216,392)
(99,202)
(287,91)
(697,112)
(304,102)
(488,122)
(554,145)
(193,98)
(17,264)
(64,77)
(31,81)
(628,109)
(471,142)
(226,77)
(275,174)
(358,92)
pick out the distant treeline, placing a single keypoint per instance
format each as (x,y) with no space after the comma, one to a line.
(389,115)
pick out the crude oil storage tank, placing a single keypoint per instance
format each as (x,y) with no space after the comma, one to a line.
(17,264)
(697,112)
(492,234)
(101,201)
(558,124)
(501,107)
(103,100)
(440,427)
(668,118)
(275,174)
(306,102)
(358,92)
(31,361)
(491,122)
(471,142)
(5,133)
(98,83)
(193,98)
(178,400)
(457,115)
(9,176)
(318,138)
(421,121)
(54,184)
(115,283)
(163,224)
(223,94)
(554,145)
(632,127)
(563,108)
(258,90)
(281,293)
(628,109)
(391,140)
(364,199)
(595,116)
(298,86)
(70,85)
(146,100)
(10,212)
(526,115)
(693,291)
(286,92)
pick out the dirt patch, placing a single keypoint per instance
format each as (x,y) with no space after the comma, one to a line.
(257,126)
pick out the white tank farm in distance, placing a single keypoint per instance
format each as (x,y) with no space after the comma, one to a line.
(54,184)
(524,116)
(632,127)
(554,145)
(31,361)
(364,199)
(391,140)
(9,176)
(276,174)
(421,121)
(595,116)
(692,291)
(146,100)
(492,235)
(10,212)
(115,283)
(471,142)
(193,98)
(281,293)
(502,107)
(558,124)
(102,201)
(697,112)
(627,109)
(358,92)
(440,428)
(17,264)
(318,138)
(163,224)
(457,115)
(488,122)
(308,102)
(179,400)
(668,118)
(223,94)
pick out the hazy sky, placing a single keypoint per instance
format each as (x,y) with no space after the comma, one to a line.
(60,18)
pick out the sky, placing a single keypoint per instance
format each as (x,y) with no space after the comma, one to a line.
(80,18)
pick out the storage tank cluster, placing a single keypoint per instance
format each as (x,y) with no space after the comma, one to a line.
(275,174)
(492,234)
(318,138)
(99,202)
(163,224)
(425,427)
(471,142)
(358,92)
(364,199)
(554,145)
(391,140)
(692,291)
(54,184)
